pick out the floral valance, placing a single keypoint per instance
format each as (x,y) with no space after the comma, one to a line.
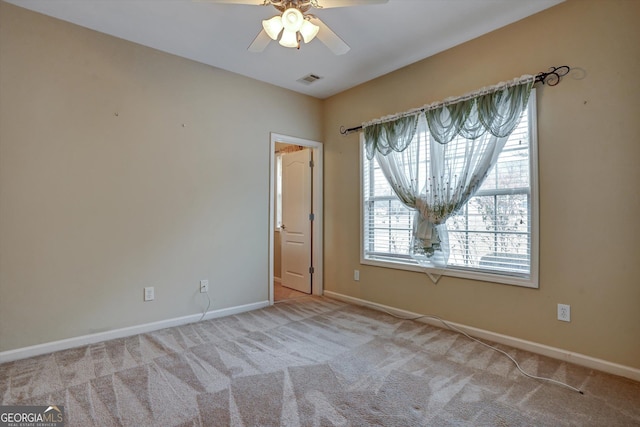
(496,109)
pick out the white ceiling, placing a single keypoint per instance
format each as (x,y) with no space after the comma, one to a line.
(383,38)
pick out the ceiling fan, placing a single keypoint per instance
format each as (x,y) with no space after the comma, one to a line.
(294,24)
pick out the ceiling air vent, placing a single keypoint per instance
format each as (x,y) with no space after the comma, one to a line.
(309,78)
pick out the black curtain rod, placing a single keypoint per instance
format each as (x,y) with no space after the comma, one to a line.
(550,78)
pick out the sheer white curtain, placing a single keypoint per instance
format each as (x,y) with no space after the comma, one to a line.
(437,158)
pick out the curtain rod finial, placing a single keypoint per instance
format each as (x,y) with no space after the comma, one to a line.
(346,132)
(552,77)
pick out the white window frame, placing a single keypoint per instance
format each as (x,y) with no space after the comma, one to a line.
(460,272)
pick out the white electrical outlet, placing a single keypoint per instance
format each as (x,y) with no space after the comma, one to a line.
(204,286)
(356,275)
(564,312)
(149,293)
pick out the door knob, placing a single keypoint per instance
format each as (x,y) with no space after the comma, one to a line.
(282,227)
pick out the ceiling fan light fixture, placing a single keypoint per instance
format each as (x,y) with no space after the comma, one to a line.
(292,19)
(308,31)
(292,25)
(273,27)
(289,38)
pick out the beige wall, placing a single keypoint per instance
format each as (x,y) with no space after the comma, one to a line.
(94,206)
(589,148)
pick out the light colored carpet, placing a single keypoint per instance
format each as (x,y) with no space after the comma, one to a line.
(313,362)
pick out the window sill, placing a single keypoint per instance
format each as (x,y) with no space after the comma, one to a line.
(456,272)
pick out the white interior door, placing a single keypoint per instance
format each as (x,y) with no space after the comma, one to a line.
(296,223)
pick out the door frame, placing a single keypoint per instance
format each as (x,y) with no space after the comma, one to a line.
(317,251)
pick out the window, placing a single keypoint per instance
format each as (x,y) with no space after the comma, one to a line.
(494,237)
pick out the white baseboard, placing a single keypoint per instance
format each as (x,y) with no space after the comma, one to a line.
(545,350)
(36,350)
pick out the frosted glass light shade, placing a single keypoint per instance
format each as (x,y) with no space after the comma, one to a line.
(308,31)
(273,27)
(292,19)
(289,39)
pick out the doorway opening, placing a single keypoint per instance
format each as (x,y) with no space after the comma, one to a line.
(292,232)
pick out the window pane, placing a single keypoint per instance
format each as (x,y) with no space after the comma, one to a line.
(390,224)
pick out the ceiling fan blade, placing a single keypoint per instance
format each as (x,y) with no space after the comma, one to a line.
(330,39)
(326,4)
(250,2)
(260,42)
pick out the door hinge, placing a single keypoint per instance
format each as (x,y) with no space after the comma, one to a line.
(312,217)
(311,270)
(311,164)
